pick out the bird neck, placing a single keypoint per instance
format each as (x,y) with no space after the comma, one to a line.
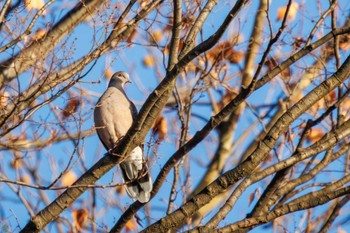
(118,85)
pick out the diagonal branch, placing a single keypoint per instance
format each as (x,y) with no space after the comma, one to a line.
(12,67)
(158,98)
(202,133)
(134,136)
(322,198)
(327,142)
(52,80)
(231,177)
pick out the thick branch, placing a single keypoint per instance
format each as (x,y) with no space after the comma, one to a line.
(286,209)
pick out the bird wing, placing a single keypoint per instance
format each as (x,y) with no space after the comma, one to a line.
(133,110)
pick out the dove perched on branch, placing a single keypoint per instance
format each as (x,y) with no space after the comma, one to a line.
(114,114)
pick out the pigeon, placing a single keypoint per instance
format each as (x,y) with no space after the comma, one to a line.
(114,114)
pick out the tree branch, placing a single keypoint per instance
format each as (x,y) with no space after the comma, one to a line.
(12,67)
(231,177)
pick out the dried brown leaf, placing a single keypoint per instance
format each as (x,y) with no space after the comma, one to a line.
(71,107)
(317,106)
(314,135)
(187,22)
(144,3)
(120,190)
(132,35)
(234,56)
(25,179)
(220,52)
(156,36)
(40,33)
(331,97)
(34,4)
(68,178)
(131,226)
(80,217)
(149,61)
(108,73)
(298,42)
(285,74)
(191,67)
(4,98)
(167,49)
(293,10)
(271,63)
(344,42)
(251,198)
(160,127)
(230,95)
(16,163)
(345,107)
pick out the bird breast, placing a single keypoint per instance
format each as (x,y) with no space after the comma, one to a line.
(113,117)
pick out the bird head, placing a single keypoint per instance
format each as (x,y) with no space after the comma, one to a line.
(119,79)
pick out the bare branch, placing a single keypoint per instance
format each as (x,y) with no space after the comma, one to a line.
(13,67)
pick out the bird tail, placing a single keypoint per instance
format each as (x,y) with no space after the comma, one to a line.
(135,173)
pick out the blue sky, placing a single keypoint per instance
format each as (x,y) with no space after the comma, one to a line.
(145,79)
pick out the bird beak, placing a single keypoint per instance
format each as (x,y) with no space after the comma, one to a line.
(128,81)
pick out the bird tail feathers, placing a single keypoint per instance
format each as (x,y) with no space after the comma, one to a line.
(139,188)
(135,173)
